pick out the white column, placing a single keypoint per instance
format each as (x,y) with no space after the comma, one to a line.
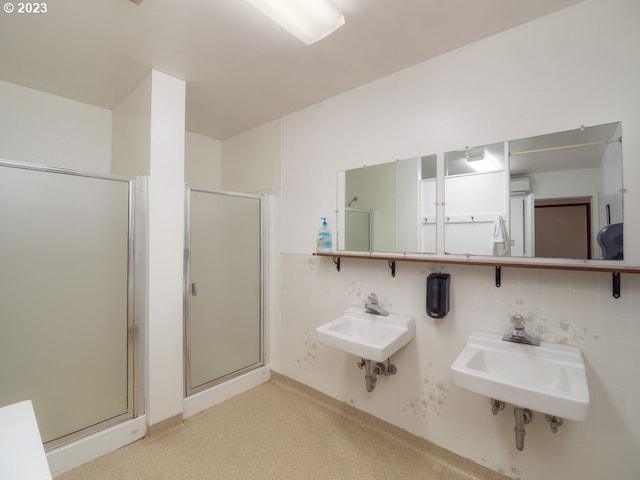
(166,227)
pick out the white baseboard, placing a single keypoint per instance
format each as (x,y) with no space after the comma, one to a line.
(84,450)
(208,398)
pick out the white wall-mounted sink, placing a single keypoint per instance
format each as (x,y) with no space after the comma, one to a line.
(549,378)
(366,335)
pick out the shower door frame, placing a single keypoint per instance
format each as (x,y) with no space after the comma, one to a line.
(188,388)
(136,282)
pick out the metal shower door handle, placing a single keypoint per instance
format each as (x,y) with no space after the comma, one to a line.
(194,289)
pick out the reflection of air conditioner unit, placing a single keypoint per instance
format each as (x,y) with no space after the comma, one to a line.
(519,185)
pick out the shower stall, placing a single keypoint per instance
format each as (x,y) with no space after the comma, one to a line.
(224,299)
(68,303)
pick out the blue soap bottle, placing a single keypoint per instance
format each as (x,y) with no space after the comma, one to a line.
(324,244)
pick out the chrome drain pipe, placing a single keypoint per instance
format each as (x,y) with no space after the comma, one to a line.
(523,417)
(373,369)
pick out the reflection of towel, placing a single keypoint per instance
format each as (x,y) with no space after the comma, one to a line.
(500,238)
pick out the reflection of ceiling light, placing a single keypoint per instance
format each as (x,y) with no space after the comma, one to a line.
(481,163)
(310,21)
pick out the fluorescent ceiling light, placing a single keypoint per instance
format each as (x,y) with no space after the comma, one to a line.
(309,20)
(481,163)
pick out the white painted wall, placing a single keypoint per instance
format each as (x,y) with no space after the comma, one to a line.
(251,160)
(149,140)
(202,161)
(37,127)
(166,248)
(578,66)
(132,132)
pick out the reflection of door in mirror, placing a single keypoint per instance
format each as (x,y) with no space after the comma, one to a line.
(357,230)
(586,162)
(563,228)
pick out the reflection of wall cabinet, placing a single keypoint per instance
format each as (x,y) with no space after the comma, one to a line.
(472,204)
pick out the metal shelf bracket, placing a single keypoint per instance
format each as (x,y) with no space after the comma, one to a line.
(615,277)
(336,260)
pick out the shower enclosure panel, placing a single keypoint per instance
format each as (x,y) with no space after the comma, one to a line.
(66,298)
(358,230)
(223,287)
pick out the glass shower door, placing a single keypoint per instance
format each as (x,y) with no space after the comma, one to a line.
(223,298)
(65,319)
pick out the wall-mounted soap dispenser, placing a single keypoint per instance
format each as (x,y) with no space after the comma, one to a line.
(438,285)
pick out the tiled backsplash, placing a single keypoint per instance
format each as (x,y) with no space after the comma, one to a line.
(571,307)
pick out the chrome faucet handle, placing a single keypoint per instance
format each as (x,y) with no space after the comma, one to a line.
(517,321)
(519,335)
(372,298)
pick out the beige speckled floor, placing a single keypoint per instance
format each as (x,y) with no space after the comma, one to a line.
(281,430)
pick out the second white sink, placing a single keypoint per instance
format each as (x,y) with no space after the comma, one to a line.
(365,335)
(549,378)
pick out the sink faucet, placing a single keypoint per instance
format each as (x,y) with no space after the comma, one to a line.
(372,306)
(519,335)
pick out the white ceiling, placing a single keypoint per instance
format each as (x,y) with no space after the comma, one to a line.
(241,69)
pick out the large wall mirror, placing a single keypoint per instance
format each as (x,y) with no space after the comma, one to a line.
(554,196)
(389,207)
